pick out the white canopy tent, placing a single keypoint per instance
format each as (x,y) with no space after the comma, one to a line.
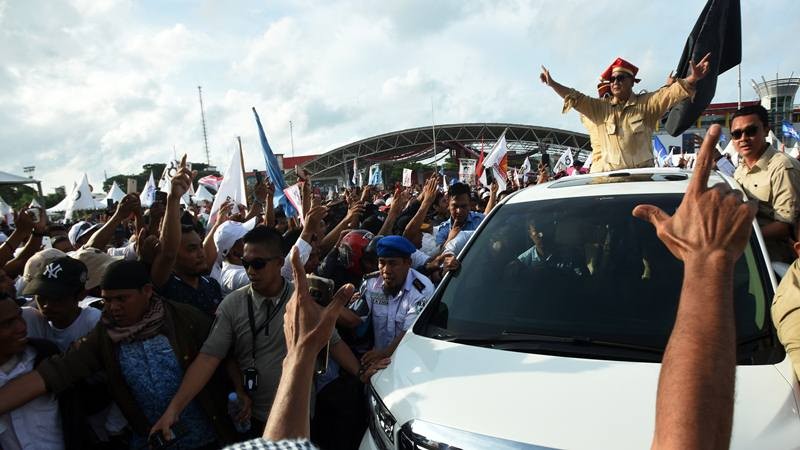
(203,195)
(115,193)
(80,198)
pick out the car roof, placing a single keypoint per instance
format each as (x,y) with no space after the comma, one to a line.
(621,182)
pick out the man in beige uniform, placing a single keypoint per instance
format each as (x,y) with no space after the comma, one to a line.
(786,309)
(624,123)
(771,177)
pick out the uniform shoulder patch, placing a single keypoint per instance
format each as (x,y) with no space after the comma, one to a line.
(418,284)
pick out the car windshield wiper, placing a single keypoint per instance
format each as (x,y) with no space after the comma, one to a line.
(507,337)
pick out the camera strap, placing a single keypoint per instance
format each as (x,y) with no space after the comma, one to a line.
(272,311)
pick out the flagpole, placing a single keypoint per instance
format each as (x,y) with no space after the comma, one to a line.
(739,83)
(241,159)
(291,135)
(433,127)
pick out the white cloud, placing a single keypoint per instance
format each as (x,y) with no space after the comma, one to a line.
(110,85)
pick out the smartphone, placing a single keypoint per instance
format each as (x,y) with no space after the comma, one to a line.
(161,197)
(489,175)
(259,178)
(35,214)
(321,289)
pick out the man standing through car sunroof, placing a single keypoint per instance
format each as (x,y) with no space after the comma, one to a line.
(624,123)
(771,177)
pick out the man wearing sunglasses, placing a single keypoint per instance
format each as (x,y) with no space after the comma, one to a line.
(771,177)
(624,122)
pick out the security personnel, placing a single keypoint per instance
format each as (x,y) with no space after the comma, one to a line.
(391,298)
(769,176)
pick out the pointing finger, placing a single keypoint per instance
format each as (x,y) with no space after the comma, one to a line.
(704,162)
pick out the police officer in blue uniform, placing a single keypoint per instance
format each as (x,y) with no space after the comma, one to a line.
(391,298)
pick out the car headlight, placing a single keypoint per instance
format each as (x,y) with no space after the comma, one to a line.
(381,421)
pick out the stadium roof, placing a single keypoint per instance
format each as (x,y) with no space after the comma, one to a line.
(416,144)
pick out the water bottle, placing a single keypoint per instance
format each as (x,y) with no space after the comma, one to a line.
(233,410)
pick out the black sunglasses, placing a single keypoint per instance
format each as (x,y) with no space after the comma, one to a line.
(749,131)
(258,263)
(619,78)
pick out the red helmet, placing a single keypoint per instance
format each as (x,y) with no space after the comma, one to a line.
(351,249)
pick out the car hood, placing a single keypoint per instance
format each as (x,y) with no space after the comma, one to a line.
(564,402)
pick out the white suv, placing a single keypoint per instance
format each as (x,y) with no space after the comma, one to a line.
(552,332)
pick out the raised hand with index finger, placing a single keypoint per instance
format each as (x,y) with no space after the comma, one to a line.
(710,221)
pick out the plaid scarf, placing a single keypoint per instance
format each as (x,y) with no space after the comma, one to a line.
(144,329)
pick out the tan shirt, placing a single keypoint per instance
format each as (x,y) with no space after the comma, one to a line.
(623,133)
(774,180)
(786,314)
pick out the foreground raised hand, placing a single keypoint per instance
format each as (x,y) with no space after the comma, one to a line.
(708,232)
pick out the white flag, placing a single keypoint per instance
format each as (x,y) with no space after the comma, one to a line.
(232,187)
(588,163)
(295,197)
(148,195)
(526,167)
(564,162)
(500,178)
(731,150)
(407,177)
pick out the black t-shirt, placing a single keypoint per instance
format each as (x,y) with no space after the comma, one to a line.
(206,297)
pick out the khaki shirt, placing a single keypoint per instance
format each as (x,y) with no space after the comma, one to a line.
(231,335)
(623,133)
(786,314)
(774,180)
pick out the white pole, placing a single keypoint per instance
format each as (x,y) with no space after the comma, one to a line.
(739,84)
(291,135)
(433,127)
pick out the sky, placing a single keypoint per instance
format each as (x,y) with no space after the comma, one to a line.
(105,86)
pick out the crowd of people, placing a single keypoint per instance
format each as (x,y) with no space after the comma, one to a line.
(159,325)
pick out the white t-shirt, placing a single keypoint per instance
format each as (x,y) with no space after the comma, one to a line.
(40,327)
(128,252)
(232,277)
(36,424)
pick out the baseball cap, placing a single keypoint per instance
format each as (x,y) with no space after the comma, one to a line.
(229,232)
(59,277)
(96,262)
(79,230)
(40,259)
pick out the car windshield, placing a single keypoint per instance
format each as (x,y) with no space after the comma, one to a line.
(585,269)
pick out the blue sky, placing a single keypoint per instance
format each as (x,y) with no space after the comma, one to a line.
(108,85)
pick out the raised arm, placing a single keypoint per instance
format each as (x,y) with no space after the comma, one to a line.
(708,232)
(21,233)
(399,202)
(333,236)
(171,228)
(128,206)
(307,327)
(413,229)
(17,265)
(209,248)
(492,197)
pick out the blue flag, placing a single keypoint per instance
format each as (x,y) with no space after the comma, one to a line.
(274,172)
(660,151)
(789,131)
(375,175)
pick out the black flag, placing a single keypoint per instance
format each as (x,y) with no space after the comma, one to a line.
(718,31)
